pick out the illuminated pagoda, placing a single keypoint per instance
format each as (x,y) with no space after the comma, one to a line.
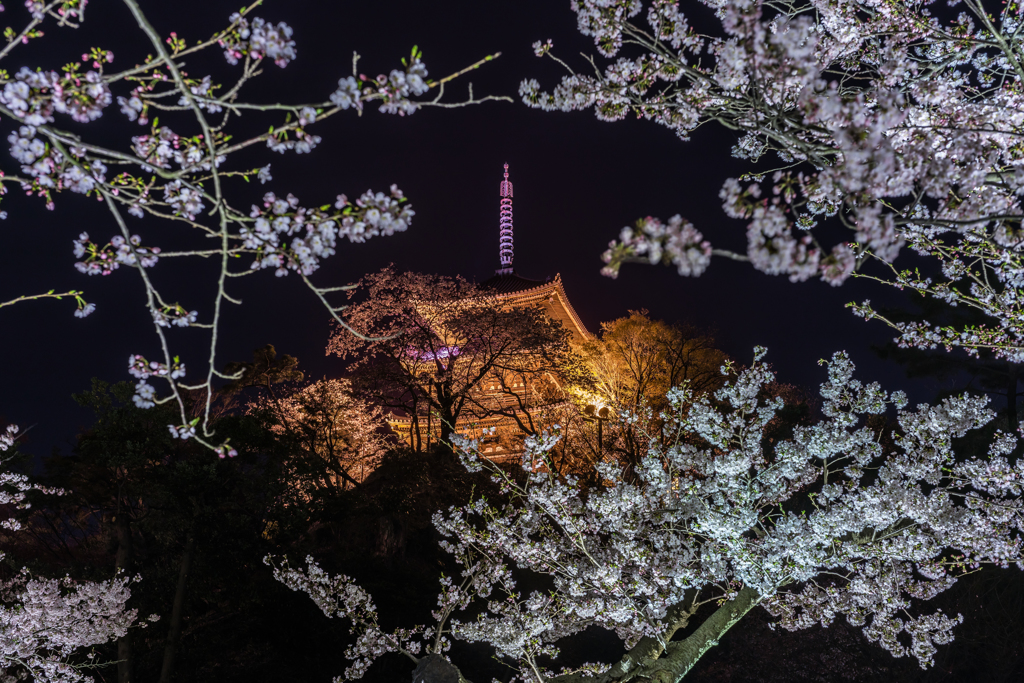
(509,289)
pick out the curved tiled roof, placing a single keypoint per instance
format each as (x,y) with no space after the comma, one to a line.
(511,286)
(510,283)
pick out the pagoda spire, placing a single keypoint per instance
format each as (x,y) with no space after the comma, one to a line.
(505,250)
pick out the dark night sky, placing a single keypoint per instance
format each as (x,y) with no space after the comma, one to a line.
(577,182)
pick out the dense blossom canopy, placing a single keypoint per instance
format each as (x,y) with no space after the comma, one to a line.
(822,525)
(900,120)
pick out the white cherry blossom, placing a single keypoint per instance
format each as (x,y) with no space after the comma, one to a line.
(900,120)
(46,624)
(827,524)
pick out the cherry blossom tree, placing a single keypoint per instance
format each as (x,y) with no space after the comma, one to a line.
(46,624)
(332,438)
(340,435)
(901,121)
(827,524)
(181,170)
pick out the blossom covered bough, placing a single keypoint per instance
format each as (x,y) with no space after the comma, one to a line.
(902,121)
(45,624)
(181,168)
(825,525)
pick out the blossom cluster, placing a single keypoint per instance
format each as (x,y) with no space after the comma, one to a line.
(7,437)
(133,107)
(201,90)
(286,236)
(163,146)
(184,200)
(33,96)
(257,39)
(52,170)
(118,251)
(676,242)
(140,368)
(394,89)
(185,431)
(176,316)
(304,143)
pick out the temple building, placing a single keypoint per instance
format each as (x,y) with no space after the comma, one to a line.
(498,432)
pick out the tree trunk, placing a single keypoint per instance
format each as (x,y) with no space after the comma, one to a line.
(647,649)
(682,655)
(415,439)
(447,418)
(430,425)
(390,537)
(123,561)
(1011,399)
(174,628)
(436,669)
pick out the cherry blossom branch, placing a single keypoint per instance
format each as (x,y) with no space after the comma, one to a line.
(83,308)
(864,108)
(183,178)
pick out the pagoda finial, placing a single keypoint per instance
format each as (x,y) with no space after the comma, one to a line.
(505,250)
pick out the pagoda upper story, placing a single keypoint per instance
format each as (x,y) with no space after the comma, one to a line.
(508,286)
